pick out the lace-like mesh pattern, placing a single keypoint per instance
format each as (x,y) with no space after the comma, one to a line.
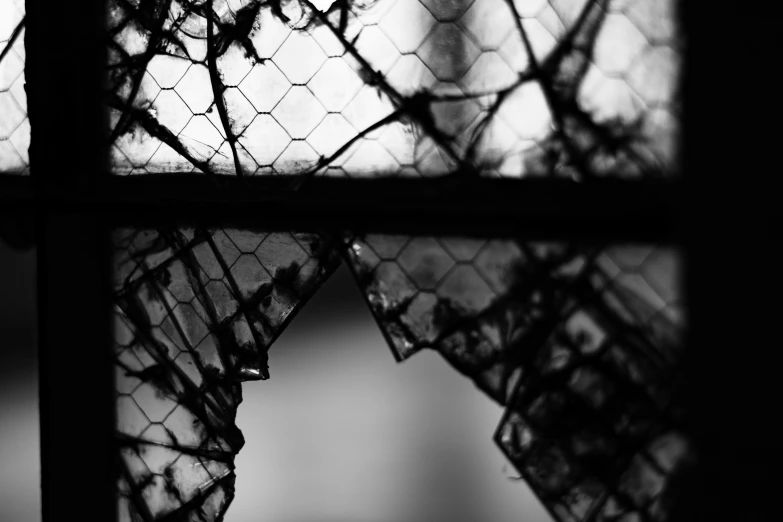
(14,125)
(581,344)
(472,300)
(594,421)
(196,311)
(573,88)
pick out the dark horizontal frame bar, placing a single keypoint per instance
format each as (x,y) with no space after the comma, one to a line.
(16,189)
(487,207)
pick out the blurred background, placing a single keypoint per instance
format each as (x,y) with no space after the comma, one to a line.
(20,461)
(339,433)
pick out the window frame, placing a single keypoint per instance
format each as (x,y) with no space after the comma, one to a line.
(74,206)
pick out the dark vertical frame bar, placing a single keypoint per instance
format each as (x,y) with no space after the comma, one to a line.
(64,73)
(733,237)
(65,59)
(76,387)
(690,505)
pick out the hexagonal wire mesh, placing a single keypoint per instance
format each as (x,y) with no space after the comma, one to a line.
(14,125)
(196,311)
(410,88)
(571,88)
(580,343)
(595,423)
